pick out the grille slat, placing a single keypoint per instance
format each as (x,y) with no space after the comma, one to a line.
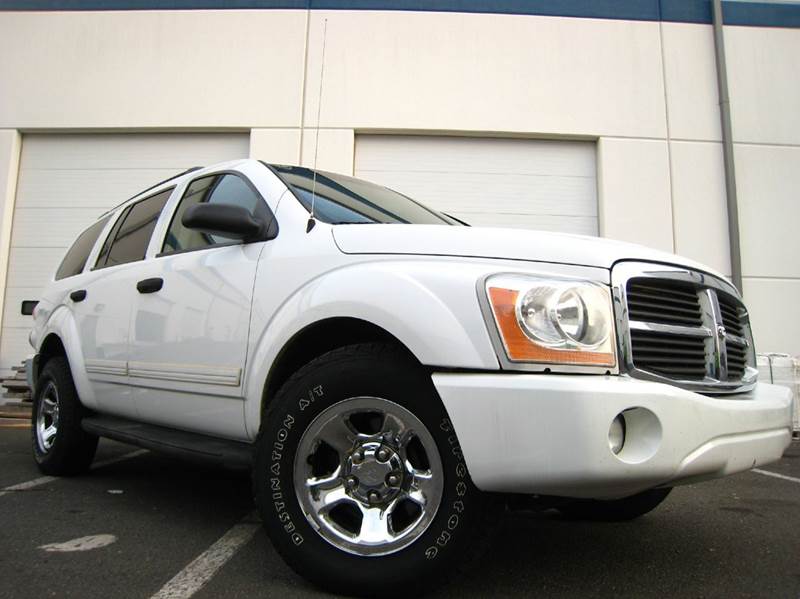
(638,295)
(669,355)
(663,302)
(732,316)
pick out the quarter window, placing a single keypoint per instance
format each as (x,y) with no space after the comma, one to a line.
(129,239)
(224,188)
(78,254)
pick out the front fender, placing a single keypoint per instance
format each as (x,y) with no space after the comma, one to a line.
(429,306)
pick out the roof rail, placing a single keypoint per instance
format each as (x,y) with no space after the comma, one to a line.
(188,170)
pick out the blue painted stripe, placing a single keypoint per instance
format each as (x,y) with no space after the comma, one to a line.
(762,14)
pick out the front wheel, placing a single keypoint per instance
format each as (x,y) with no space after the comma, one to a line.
(360,479)
(617,510)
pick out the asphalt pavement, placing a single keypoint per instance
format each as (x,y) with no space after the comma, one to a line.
(159,525)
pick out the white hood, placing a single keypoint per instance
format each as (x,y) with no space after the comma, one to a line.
(484,242)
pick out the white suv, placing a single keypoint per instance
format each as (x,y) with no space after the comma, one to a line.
(388,372)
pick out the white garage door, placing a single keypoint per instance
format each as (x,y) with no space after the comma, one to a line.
(531,184)
(65,182)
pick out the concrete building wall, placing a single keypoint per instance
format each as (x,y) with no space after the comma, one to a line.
(644,91)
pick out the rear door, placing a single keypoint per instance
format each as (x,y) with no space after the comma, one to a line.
(102,307)
(189,329)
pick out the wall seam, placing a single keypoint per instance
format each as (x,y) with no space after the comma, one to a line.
(669,139)
(305,79)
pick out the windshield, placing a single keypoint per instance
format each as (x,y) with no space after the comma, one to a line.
(345,200)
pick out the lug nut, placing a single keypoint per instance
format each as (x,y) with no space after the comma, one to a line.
(351,482)
(383,454)
(357,457)
(374,497)
(393,480)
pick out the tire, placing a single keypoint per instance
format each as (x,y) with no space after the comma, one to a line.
(618,510)
(60,446)
(367,387)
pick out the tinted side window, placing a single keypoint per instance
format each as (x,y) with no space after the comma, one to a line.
(216,189)
(132,232)
(78,254)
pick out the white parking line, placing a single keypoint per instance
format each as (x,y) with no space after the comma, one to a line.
(776,475)
(46,479)
(203,568)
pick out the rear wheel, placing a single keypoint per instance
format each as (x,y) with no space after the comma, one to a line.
(60,446)
(360,479)
(617,510)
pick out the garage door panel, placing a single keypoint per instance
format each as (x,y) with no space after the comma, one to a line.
(33,267)
(512,193)
(85,188)
(131,151)
(50,227)
(521,183)
(471,154)
(578,225)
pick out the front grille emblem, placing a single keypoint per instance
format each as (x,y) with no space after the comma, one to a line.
(722,332)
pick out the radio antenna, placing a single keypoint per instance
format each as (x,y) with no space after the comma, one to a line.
(311,219)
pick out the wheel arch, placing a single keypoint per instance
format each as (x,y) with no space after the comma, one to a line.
(59,337)
(51,347)
(318,338)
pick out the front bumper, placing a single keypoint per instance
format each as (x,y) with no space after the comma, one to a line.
(548,434)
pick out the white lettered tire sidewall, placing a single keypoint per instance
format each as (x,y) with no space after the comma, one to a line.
(376,371)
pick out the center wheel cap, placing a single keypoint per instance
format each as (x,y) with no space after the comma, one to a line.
(372,472)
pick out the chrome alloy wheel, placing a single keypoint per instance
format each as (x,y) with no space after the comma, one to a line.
(47,418)
(368,476)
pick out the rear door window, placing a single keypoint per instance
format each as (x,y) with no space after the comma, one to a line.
(78,254)
(130,237)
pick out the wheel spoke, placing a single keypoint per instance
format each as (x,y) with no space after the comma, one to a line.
(422,486)
(328,491)
(338,434)
(375,525)
(49,433)
(392,424)
(48,406)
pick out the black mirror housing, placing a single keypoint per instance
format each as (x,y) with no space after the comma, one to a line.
(227,220)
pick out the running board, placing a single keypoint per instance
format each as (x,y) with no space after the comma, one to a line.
(176,443)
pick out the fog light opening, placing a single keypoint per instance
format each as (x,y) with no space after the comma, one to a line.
(616,434)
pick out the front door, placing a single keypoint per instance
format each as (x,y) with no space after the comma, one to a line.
(190,321)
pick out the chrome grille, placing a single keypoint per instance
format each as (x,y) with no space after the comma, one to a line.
(683,327)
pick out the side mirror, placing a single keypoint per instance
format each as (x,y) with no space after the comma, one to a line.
(226,220)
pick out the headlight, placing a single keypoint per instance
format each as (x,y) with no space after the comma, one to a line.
(554,321)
